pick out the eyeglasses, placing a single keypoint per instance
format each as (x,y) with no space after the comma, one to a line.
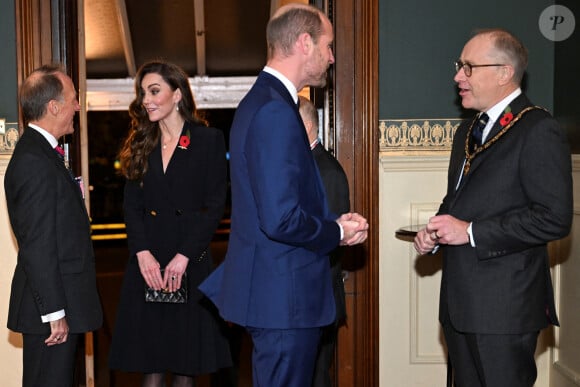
(468,67)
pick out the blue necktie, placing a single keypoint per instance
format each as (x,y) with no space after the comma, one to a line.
(477,132)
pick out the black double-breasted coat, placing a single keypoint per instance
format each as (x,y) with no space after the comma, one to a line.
(176,211)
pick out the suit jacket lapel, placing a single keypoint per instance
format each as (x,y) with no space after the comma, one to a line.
(51,154)
(178,153)
(156,173)
(156,164)
(516,106)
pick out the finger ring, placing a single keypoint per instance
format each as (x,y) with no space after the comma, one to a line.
(436,235)
(57,338)
(173,278)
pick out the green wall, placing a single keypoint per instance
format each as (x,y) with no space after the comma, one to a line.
(420,39)
(8,74)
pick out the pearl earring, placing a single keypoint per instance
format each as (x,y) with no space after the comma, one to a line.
(176,108)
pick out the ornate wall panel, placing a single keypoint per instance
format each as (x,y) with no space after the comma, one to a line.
(414,136)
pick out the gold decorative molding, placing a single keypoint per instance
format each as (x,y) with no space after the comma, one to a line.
(415,136)
(9,136)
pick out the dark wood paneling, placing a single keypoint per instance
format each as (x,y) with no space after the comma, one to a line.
(356,119)
(33,37)
(47,33)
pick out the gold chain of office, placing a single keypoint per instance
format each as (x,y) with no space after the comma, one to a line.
(469,156)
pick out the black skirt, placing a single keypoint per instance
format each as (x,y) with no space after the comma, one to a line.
(186,339)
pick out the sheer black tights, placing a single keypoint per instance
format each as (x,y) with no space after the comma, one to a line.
(158,380)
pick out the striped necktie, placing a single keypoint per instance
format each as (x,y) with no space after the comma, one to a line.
(477,131)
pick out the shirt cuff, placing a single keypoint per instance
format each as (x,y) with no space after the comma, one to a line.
(53,316)
(341,230)
(470,233)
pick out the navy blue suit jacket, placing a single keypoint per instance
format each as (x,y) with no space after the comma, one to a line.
(276,272)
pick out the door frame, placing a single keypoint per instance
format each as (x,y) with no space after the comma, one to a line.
(355,111)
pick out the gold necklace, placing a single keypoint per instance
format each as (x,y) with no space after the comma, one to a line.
(469,156)
(164,144)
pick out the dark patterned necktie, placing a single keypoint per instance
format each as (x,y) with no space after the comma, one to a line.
(477,131)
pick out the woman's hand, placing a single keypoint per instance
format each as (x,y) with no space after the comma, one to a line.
(174,272)
(149,268)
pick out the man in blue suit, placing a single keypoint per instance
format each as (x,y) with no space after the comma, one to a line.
(276,280)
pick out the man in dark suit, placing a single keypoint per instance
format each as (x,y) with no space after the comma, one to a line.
(336,187)
(275,279)
(54,296)
(509,193)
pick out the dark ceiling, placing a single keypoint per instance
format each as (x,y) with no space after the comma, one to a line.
(229,40)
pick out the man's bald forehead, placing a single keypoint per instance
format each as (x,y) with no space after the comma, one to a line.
(288,7)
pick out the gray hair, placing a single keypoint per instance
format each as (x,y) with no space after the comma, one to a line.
(41,86)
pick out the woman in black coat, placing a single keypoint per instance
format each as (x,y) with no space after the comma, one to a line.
(175,194)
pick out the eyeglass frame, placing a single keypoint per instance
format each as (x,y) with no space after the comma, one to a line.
(468,66)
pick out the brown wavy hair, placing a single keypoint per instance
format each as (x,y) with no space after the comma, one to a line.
(144,134)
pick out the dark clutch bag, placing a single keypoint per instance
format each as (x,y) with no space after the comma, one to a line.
(177,297)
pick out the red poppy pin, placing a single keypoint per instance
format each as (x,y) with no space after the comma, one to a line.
(184,140)
(507,117)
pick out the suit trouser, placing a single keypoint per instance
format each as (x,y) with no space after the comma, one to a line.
(325,356)
(45,366)
(283,357)
(484,360)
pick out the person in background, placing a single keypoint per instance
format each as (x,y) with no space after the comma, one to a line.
(175,195)
(509,193)
(275,280)
(54,298)
(336,188)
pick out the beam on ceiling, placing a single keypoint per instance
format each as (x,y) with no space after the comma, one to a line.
(274,5)
(199,25)
(208,92)
(126,37)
